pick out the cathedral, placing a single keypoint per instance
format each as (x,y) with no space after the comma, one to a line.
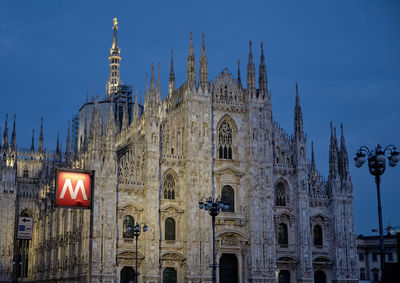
(154,162)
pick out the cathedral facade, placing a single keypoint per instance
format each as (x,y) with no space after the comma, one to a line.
(154,161)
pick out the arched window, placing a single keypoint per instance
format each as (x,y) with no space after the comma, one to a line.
(169,187)
(170,229)
(228,196)
(283,234)
(169,275)
(319,276)
(128,223)
(281,195)
(317,235)
(225,141)
(284,276)
(25,173)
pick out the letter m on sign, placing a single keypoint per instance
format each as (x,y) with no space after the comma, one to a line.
(74,188)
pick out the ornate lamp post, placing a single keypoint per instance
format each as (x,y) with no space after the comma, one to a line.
(377,165)
(213,208)
(136,233)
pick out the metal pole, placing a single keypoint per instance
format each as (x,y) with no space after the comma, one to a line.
(382,254)
(136,270)
(214,260)
(23,261)
(90,245)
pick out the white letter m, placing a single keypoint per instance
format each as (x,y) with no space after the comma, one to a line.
(72,192)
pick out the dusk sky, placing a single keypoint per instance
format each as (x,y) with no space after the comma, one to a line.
(345,56)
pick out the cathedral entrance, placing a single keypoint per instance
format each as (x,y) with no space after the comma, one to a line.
(127,275)
(228,269)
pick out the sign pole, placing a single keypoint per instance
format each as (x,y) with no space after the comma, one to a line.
(90,245)
(23,261)
(75,189)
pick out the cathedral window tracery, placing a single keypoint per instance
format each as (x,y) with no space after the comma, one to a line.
(281,195)
(228,196)
(225,141)
(169,187)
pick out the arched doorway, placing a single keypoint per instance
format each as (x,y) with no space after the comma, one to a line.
(228,269)
(127,275)
(319,276)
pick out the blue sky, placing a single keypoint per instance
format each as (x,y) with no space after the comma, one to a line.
(345,55)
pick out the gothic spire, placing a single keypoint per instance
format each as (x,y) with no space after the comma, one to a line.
(125,116)
(117,119)
(203,71)
(298,116)
(191,65)
(343,154)
(135,106)
(111,122)
(251,77)
(158,89)
(40,147)
(152,81)
(115,58)
(262,76)
(68,143)
(333,155)
(171,75)
(33,141)
(58,144)
(312,158)
(5,135)
(13,135)
(85,137)
(239,80)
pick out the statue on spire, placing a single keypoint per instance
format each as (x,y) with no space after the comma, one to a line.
(115,23)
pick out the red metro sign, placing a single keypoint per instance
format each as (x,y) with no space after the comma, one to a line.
(74,188)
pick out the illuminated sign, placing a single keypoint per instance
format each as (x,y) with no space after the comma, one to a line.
(74,188)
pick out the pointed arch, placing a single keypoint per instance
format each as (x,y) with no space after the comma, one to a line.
(282,195)
(170,185)
(226,137)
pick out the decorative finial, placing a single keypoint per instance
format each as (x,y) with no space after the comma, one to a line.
(262,48)
(190,35)
(115,23)
(250,44)
(203,36)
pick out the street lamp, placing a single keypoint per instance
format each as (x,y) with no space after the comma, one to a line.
(213,208)
(136,233)
(377,165)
